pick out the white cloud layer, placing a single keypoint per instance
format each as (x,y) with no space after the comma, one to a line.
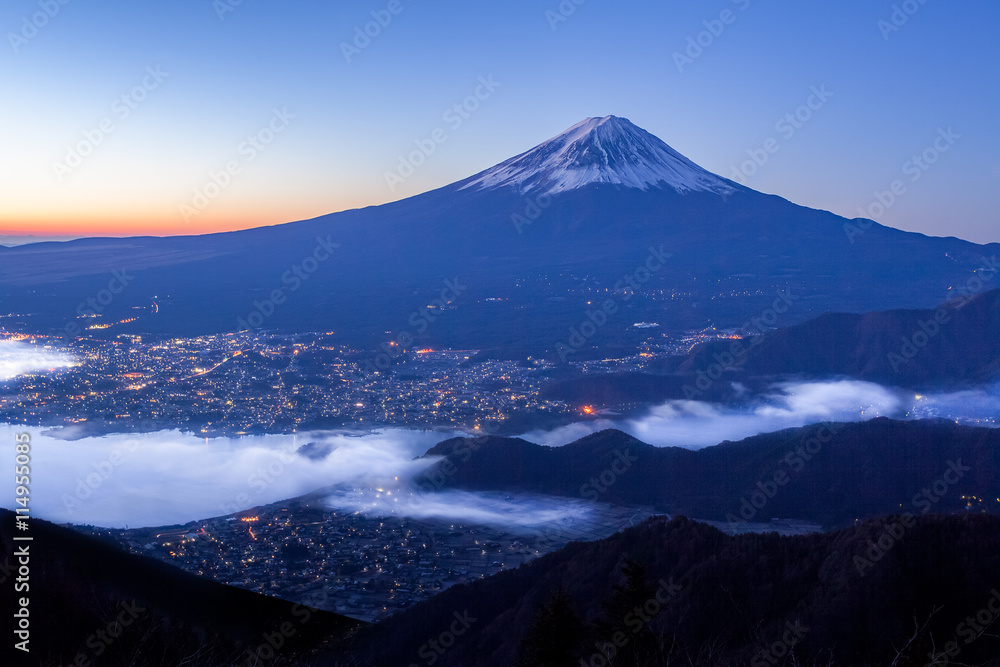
(18,358)
(694,424)
(524,511)
(170,477)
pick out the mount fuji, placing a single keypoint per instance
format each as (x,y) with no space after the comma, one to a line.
(607,150)
(513,256)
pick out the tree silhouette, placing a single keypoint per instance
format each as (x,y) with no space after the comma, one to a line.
(623,618)
(555,635)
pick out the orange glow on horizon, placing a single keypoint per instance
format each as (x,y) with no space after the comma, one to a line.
(149,227)
(157,220)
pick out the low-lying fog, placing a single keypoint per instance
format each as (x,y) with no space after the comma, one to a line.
(696,424)
(170,477)
(18,358)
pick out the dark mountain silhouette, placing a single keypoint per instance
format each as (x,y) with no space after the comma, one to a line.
(92,604)
(830,473)
(959,341)
(955,345)
(822,599)
(604,211)
(897,588)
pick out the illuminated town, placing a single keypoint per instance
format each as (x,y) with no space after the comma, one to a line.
(363,566)
(255,383)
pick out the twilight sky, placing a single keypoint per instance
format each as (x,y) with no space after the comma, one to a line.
(117,114)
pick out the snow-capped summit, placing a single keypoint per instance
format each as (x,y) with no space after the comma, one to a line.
(600,150)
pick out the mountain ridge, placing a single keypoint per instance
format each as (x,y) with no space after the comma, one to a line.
(729,256)
(953,347)
(810,473)
(726,600)
(80,584)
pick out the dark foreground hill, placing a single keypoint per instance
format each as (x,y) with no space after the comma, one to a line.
(828,473)
(694,596)
(92,604)
(956,344)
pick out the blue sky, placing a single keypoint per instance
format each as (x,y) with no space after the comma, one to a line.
(161,96)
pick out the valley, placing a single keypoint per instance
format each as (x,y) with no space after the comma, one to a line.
(588,379)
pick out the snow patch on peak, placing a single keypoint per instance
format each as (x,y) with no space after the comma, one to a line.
(600,150)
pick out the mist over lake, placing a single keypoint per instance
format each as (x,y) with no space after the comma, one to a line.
(169,477)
